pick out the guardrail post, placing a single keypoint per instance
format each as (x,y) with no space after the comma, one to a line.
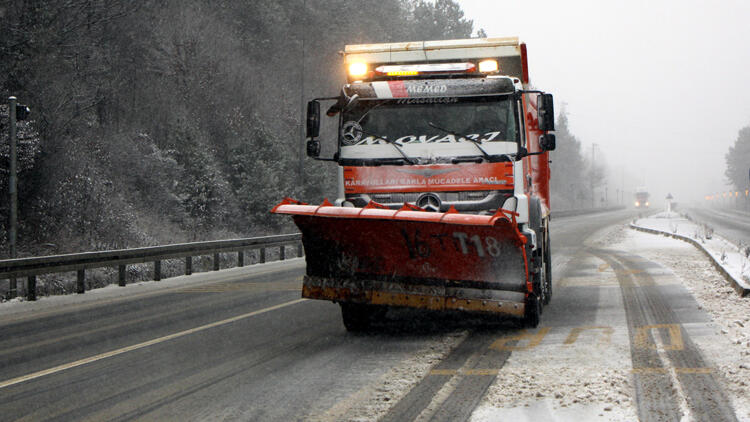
(157,270)
(216,262)
(262,255)
(282,252)
(300,251)
(188,265)
(80,285)
(12,288)
(241,258)
(121,281)
(31,288)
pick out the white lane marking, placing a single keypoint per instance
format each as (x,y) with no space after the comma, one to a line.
(109,354)
(236,274)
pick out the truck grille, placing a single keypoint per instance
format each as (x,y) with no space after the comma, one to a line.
(399,198)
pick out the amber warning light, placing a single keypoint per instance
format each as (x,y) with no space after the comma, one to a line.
(357,69)
(488,66)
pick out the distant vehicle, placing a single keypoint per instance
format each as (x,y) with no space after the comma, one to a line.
(641,198)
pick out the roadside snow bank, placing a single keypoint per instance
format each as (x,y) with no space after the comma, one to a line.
(730,259)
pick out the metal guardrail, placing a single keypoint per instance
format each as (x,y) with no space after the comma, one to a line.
(80,262)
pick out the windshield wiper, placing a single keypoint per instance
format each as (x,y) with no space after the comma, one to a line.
(474,159)
(397,146)
(373,161)
(474,141)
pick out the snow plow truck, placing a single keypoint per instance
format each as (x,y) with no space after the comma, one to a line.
(443,174)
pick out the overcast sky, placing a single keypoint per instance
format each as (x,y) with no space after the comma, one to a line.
(662,87)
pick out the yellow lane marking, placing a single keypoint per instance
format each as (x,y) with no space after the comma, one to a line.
(641,338)
(112,353)
(576,331)
(533,340)
(464,372)
(666,370)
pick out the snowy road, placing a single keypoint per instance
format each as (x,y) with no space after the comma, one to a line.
(639,327)
(732,225)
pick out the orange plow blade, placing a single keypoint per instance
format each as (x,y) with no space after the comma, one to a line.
(412,258)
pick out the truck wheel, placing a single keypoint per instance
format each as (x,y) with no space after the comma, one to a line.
(357,317)
(547,271)
(540,284)
(532,312)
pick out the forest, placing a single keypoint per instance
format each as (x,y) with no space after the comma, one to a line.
(164,121)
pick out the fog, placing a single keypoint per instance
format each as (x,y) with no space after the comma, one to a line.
(660,87)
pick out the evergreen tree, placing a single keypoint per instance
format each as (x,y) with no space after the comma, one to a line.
(569,186)
(738,160)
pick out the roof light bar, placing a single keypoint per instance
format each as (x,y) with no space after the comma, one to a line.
(421,69)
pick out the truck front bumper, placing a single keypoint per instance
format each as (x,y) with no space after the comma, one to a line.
(427,295)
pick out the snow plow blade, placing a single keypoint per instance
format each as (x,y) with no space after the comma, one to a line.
(412,258)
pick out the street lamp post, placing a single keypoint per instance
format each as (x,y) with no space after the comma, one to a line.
(15,112)
(12,232)
(593,167)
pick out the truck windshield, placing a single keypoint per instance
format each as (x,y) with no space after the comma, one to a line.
(415,125)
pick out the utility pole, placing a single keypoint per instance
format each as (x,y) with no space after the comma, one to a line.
(12,184)
(303,150)
(606,196)
(15,112)
(593,171)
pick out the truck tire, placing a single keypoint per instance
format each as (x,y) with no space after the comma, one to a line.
(533,311)
(358,317)
(538,279)
(547,268)
(541,280)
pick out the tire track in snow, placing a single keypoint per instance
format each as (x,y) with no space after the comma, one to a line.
(666,380)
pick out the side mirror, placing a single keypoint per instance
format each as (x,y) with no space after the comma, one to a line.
(313,122)
(313,148)
(546,111)
(547,142)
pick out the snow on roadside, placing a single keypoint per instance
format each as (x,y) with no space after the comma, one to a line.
(605,392)
(729,312)
(731,257)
